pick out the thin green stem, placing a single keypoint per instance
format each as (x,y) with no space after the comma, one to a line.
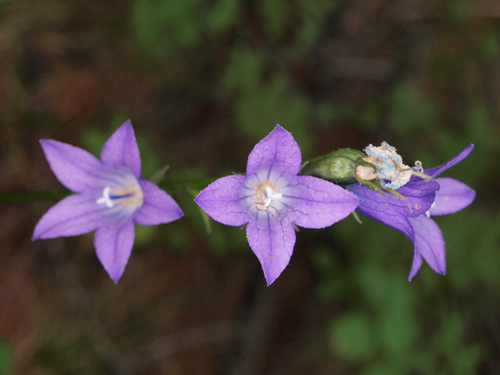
(33,196)
(52,196)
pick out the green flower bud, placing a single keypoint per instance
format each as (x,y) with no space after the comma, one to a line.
(338,166)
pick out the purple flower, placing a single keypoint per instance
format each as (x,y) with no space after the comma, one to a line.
(271,197)
(438,197)
(112,195)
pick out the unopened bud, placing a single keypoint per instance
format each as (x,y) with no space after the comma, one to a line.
(338,166)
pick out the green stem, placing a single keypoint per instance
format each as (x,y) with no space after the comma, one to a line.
(52,196)
(33,196)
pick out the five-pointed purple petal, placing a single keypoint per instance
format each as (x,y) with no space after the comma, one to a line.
(112,196)
(271,197)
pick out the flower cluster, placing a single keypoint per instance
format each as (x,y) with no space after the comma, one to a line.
(271,199)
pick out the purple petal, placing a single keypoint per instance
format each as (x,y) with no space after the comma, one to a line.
(74,167)
(417,189)
(221,200)
(434,172)
(394,210)
(452,197)
(416,263)
(121,150)
(319,203)
(396,221)
(429,242)
(272,241)
(113,245)
(279,151)
(419,193)
(158,207)
(72,216)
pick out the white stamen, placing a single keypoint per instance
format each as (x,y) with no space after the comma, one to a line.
(270,196)
(105,198)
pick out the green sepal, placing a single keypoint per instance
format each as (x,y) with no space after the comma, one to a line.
(364,163)
(422,175)
(158,175)
(356,217)
(394,192)
(376,187)
(373,186)
(204,217)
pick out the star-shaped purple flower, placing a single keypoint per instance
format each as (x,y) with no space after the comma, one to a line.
(271,197)
(112,195)
(437,197)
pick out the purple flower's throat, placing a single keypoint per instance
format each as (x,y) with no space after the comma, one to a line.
(122,190)
(267,192)
(131,195)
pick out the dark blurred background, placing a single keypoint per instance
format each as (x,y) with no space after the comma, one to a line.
(202,82)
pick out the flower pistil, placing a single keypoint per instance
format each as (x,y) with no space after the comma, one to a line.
(131,195)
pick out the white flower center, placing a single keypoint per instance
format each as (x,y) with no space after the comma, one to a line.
(267,193)
(131,195)
(122,194)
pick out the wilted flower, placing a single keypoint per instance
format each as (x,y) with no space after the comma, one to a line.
(271,197)
(425,235)
(390,171)
(112,195)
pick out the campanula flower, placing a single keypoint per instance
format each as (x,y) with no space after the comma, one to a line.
(111,196)
(271,198)
(437,197)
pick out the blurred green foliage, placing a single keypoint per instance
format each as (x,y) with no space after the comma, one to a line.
(163,26)
(6,359)
(411,111)
(260,93)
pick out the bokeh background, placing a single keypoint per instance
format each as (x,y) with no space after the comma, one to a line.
(202,82)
